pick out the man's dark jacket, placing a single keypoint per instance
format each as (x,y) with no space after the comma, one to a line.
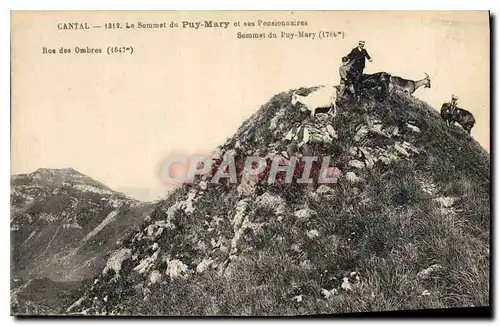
(359,58)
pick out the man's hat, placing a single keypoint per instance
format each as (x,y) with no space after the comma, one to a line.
(362,42)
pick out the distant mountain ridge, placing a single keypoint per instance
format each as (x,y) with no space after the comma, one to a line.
(56,177)
(63,223)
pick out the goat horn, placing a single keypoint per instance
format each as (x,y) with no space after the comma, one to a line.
(426,75)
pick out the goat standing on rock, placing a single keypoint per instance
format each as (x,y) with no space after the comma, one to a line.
(323,98)
(407,85)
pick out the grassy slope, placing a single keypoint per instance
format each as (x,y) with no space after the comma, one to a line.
(386,228)
(45,297)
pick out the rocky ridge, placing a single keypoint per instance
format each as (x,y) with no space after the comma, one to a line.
(362,243)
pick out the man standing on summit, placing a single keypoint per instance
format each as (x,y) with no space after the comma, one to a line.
(357,59)
(358,56)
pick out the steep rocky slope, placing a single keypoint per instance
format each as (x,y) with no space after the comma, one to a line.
(405,225)
(62,225)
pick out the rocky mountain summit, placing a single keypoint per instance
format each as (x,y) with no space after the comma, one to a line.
(62,225)
(405,225)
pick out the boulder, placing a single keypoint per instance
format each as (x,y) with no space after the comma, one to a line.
(369,156)
(313,234)
(116,260)
(304,214)
(331,131)
(332,172)
(273,202)
(352,177)
(350,282)
(346,285)
(325,190)
(146,264)
(413,128)
(205,264)
(405,148)
(387,158)
(430,271)
(161,223)
(274,121)
(356,164)
(153,231)
(328,293)
(176,268)
(392,131)
(361,132)
(154,277)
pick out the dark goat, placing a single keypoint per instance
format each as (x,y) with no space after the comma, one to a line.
(463,117)
(377,83)
(409,86)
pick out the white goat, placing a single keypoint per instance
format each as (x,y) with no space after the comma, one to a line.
(325,97)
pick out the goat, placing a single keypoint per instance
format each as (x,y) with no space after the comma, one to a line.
(463,117)
(377,84)
(407,85)
(325,97)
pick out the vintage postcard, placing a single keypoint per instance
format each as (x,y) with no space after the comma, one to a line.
(249,163)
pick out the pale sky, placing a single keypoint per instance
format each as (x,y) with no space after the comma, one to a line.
(115,118)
